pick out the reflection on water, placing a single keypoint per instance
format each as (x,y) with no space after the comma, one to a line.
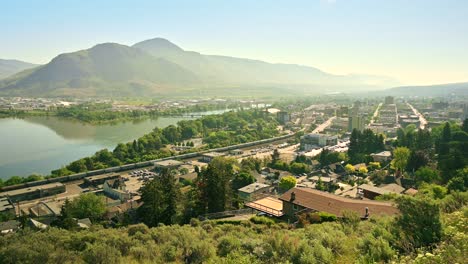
(41,144)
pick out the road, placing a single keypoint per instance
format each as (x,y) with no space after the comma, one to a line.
(324,125)
(422,120)
(376,113)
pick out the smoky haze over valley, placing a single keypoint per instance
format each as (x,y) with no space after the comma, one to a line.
(159,67)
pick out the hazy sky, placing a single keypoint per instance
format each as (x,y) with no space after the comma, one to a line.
(415,41)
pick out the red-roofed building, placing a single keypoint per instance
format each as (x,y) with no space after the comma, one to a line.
(299,200)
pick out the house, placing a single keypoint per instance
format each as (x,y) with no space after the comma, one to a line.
(393,187)
(325,180)
(208,157)
(116,189)
(167,164)
(370,192)
(384,156)
(34,192)
(250,191)
(298,200)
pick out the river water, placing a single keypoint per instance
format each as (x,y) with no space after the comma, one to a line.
(41,144)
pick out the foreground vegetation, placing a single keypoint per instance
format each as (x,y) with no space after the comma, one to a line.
(257,241)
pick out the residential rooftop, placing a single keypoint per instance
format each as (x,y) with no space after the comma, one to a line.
(253,187)
(330,203)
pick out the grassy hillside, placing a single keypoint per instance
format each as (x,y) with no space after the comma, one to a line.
(258,241)
(10,67)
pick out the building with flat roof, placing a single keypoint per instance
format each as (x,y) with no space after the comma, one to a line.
(168,164)
(100,179)
(313,140)
(117,189)
(383,156)
(250,191)
(283,117)
(389,100)
(208,157)
(269,205)
(34,192)
(6,206)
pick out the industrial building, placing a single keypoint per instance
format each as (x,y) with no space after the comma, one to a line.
(34,192)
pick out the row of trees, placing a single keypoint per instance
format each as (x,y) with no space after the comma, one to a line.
(214,190)
(217,131)
(362,144)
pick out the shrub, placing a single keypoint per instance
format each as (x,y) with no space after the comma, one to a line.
(262,220)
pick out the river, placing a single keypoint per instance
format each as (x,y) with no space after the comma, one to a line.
(40,144)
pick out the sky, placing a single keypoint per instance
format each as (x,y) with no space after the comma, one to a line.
(414,41)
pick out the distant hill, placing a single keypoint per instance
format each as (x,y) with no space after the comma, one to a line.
(104,70)
(10,67)
(159,67)
(430,90)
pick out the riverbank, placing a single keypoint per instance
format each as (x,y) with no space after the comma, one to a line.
(104,113)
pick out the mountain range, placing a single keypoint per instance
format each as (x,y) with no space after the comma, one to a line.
(11,67)
(159,67)
(459,89)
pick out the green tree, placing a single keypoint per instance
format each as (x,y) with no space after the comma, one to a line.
(417,159)
(419,222)
(275,157)
(171,194)
(459,182)
(426,174)
(400,158)
(287,183)
(242,179)
(88,205)
(152,197)
(214,183)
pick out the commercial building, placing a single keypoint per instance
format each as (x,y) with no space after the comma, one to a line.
(313,140)
(100,179)
(168,164)
(389,100)
(116,189)
(208,157)
(355,122)
(299,200)
(283,117)
(34,192)
(6,206)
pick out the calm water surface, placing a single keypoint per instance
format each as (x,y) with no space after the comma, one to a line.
(41,144)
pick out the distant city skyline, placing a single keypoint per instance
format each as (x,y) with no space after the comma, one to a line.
(416,42)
